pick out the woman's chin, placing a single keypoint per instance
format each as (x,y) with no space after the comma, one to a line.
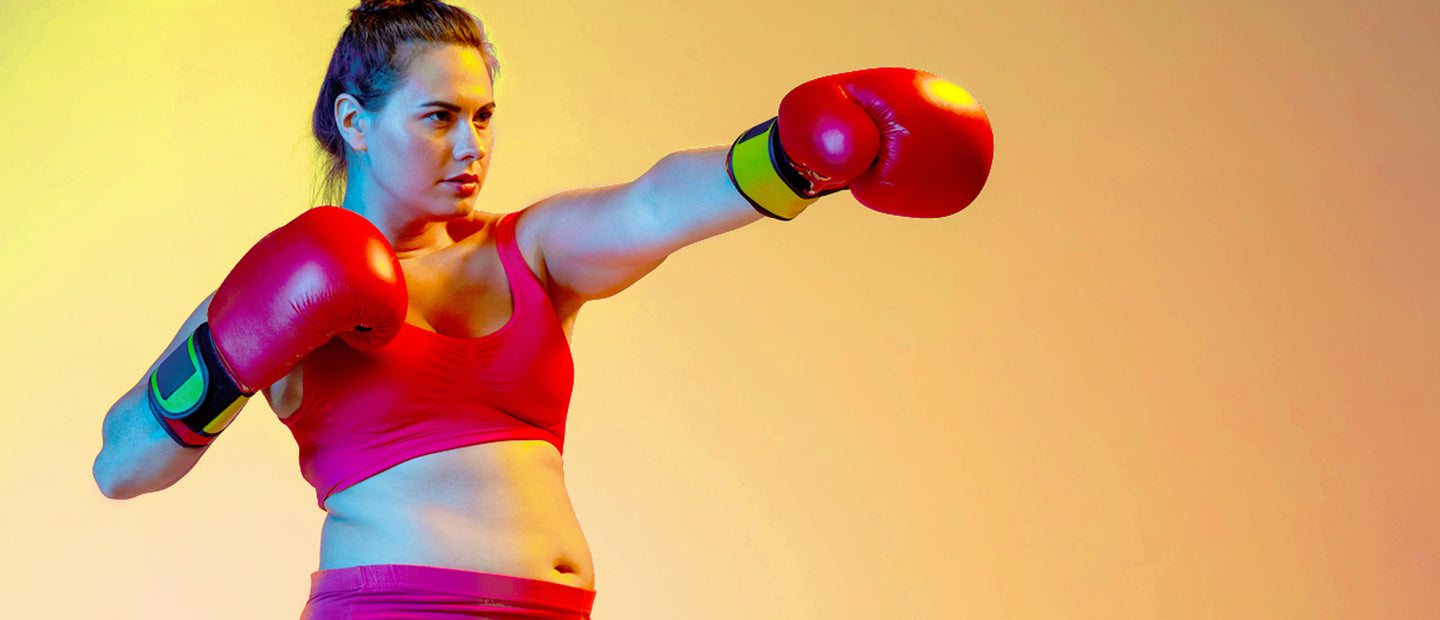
(450,207)
(465,207)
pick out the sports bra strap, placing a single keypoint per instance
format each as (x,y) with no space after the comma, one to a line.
(510,255)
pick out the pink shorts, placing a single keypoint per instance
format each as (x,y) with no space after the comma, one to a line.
(395,591)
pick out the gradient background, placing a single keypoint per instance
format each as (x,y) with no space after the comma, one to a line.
(1178,360)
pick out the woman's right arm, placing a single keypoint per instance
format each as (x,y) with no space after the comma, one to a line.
(137,455)
(329,272)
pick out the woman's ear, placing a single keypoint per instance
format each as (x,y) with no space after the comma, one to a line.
(352,120)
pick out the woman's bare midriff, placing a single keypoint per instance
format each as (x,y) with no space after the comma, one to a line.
(492,508)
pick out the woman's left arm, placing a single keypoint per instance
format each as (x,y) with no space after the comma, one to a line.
(905,142)
(596,242)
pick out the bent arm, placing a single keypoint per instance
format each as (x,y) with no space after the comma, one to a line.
(597,242)
(137,455)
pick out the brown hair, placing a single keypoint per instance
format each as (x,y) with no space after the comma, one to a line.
(370,60)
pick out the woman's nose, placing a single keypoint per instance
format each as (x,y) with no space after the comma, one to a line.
(472,143)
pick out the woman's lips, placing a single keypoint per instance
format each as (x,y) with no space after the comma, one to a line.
(463,189)
(464,185)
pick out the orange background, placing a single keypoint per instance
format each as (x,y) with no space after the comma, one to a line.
(1177,361)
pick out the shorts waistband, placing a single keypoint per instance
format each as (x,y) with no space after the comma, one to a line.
(390,577)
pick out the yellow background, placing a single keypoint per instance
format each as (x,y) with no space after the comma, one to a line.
(1178,360)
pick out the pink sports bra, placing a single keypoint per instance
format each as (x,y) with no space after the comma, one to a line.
(424,392)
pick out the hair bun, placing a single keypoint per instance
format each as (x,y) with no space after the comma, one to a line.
(371,7)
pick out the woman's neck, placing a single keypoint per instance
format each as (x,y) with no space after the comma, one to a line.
(409,235)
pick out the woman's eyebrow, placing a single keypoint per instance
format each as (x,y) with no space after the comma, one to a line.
(454,108)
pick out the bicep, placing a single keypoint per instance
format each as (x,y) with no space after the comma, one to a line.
(597,242)
(594,242)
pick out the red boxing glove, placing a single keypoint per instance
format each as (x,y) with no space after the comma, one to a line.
(904,142)
(328,272)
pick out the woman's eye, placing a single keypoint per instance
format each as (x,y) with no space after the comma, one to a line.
(439,115)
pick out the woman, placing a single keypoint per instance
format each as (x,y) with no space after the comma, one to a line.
(432,428)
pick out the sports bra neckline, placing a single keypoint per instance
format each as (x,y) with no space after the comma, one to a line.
(430,333)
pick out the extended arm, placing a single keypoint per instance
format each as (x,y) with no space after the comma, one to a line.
(904,142)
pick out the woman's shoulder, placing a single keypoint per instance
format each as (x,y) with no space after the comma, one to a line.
(528,232)
(481,229)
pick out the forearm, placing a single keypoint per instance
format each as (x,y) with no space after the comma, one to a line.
(691,198)
(138,456)
(596,242)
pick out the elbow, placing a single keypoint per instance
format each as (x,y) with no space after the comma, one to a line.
(110,483)
(109,487)
(116,492)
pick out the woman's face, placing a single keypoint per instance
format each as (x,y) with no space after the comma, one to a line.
(428,148)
